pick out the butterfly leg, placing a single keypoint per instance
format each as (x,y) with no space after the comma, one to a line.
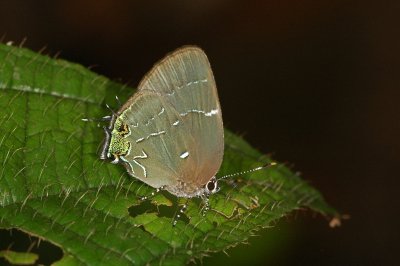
(181,211)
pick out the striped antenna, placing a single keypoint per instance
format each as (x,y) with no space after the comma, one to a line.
(248,171)
(104,118)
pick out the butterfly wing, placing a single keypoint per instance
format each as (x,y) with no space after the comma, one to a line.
(176,124)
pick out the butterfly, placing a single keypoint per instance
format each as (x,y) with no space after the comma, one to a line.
(169,134)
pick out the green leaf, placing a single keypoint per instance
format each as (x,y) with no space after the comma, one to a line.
(67,260)
(20,258)
(53,185)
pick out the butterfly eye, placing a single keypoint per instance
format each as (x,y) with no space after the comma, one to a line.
(114,158)
(111,156)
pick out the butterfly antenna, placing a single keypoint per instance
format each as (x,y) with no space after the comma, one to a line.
(104,118)
(248,171)
(109,108)
(118,100)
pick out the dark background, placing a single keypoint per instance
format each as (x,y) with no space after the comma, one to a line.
(315,83)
